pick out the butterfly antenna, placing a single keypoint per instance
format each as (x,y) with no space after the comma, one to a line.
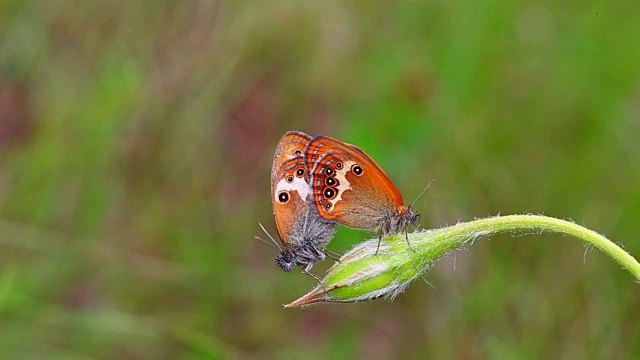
(272,243)
(422,193)
(263,240)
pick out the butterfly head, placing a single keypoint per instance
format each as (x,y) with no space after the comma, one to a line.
(407,217)
(286,260)
(410,217)
(305,255)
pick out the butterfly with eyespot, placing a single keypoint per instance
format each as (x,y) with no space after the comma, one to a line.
(348,186)
(303,232)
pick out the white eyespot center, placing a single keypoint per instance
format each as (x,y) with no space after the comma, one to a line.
(298,184)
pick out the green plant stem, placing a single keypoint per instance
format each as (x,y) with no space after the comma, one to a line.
(363,275)
(533,223)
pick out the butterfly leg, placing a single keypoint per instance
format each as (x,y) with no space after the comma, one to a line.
(406,234)
(306,272)
(333,255)
(379,241)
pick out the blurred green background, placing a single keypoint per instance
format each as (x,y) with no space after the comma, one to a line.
(136,141)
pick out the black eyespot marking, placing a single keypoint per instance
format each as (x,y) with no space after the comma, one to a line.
(330,181)
(283,197)
(290,179)
(328,171)
(328,206)
(298,152)
(329,193)
(357,170)
(339,165)
(299,172)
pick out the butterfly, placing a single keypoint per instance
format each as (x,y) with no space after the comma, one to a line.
(303,232)
(349,187)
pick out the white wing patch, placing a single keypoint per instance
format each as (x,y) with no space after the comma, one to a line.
(344,184)
(298,184)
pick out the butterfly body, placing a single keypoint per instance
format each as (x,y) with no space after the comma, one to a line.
(348,186)
(303,232)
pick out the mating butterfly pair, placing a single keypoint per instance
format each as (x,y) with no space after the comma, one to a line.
(320,183)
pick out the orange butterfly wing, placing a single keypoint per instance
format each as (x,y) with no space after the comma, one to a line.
(349,186)
(290,191)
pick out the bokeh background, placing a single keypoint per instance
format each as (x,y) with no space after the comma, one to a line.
(136,141)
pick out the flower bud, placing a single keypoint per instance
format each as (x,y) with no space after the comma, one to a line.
(363,275)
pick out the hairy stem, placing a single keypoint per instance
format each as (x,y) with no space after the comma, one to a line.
(362,275)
